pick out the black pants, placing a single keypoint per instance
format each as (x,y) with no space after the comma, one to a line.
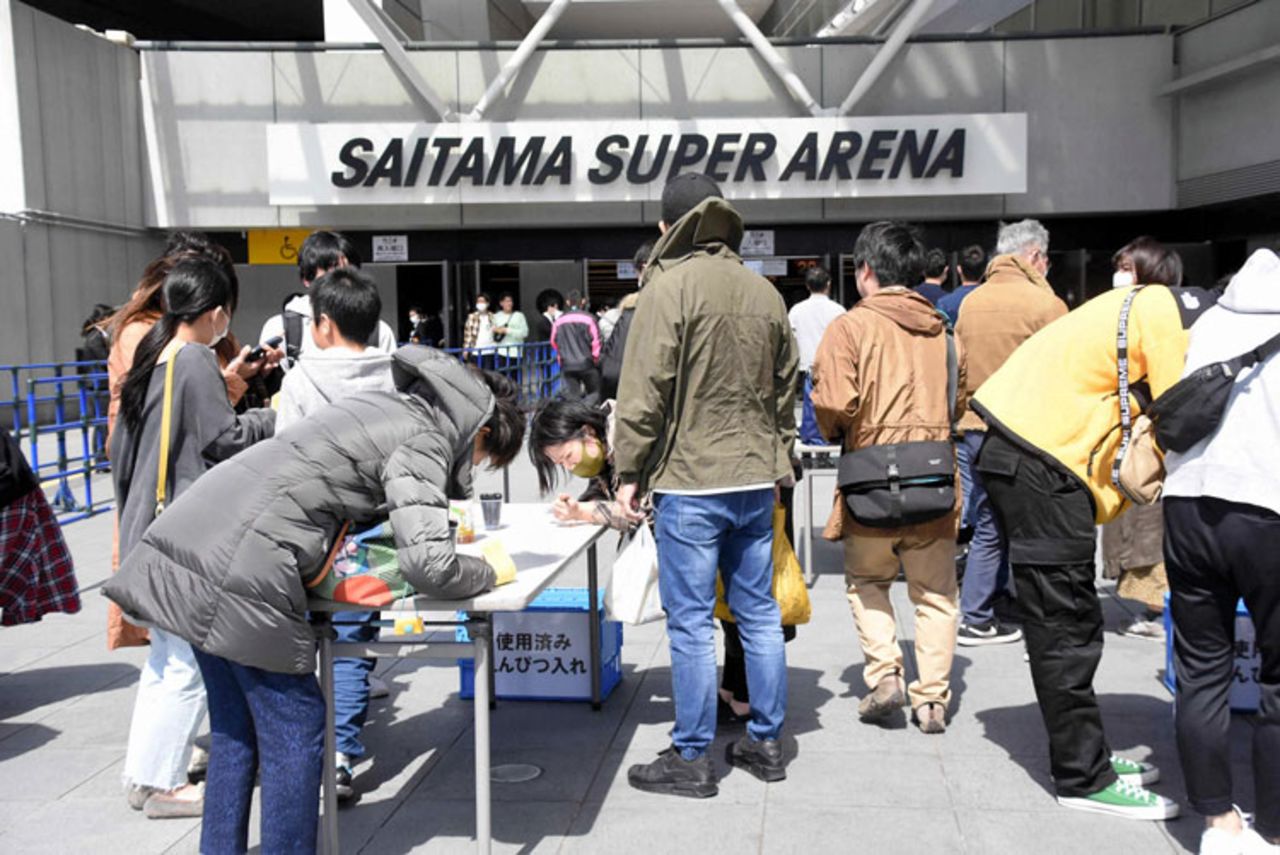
(584,383)
(1215,553)
(1047,515)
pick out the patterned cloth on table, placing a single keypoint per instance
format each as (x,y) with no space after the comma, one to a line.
(37,576)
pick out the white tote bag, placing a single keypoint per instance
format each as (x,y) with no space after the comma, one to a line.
(632,596)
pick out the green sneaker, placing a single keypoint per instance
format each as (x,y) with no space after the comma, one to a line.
(1134,771)
(1124,799)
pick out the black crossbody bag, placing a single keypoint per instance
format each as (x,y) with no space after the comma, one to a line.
(905,483)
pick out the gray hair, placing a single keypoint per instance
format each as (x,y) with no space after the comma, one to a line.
(1015,237)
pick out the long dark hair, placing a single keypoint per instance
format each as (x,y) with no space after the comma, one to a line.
(192,287)
(147,299)
(561,420)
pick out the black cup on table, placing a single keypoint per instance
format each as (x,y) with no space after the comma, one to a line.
(491,505)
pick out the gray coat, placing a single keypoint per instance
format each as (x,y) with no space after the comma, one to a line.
(226,566)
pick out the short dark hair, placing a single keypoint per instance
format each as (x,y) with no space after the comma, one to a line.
(507,423)
(817,279)
(505,295)
(183,240)
(892,250)
(548,298)
(641,258)
(417,309)
(1153,262)
(325,251)
(684,193)
(483,296)
(973,263)
(575,298)
(559,420)
(935,263)
(351,301)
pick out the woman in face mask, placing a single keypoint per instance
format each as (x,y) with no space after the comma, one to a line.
(572,436)
(477,335)
(1133,544)
(175,422)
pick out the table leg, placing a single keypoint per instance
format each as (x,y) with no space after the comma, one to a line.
(593,617)
(481,630)
(807,534)
(330,843)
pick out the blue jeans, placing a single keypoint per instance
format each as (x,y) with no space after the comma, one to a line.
(734,533)
(809,433)
(277,720)
(351,680)
(986,572)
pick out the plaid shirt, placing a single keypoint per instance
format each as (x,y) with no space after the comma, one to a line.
(37,576)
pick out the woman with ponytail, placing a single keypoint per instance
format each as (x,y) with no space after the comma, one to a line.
(174,362)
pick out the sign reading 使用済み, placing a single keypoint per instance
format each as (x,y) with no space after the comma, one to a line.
(608,161)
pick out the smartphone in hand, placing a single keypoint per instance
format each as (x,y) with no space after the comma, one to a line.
(260,351)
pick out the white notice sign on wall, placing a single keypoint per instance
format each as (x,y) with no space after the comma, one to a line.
(390,247)
(757,242)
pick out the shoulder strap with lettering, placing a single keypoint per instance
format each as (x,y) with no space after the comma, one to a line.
(170,355)
(1122,364)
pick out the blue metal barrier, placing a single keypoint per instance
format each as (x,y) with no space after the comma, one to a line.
(57,399)
(68,401)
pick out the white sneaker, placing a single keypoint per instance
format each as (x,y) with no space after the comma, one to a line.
(1253,843)
(1148,630)
(1216,841)
(378,687)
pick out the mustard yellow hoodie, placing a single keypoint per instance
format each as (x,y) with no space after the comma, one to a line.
(1058,392)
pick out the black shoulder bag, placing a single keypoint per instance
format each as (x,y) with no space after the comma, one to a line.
(905,483)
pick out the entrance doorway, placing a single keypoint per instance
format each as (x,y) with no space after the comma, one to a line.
(420,285)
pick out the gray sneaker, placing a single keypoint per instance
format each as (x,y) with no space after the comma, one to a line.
(1148,630)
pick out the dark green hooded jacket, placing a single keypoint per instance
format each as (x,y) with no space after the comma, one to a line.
(707,395)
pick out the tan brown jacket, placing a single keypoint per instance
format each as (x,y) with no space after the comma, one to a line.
(880,377)
(1013,302)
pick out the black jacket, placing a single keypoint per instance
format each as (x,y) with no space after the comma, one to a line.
(16,477)
(226,566)
(614,348)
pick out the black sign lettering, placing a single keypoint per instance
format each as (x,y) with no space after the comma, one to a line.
(351,159)
(691,149)
(843,148)
(471,164)
(415,161)
(877,149)
(805,160)
(559,163)
(910,149)
(951,157)
(388,165)
(758,149)
(721,153)
(508,165)
(442,145)
(607,160)
(634,175)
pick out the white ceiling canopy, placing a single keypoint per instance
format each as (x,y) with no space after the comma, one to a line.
(646,19)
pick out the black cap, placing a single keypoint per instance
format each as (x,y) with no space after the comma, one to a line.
(684,193)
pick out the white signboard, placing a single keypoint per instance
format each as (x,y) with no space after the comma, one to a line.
(542,654)
(757,242)
(629,161)
(627,270)
(390,247)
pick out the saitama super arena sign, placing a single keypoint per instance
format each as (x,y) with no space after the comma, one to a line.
(623,161)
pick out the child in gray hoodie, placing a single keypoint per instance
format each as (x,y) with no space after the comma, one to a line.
(345,307)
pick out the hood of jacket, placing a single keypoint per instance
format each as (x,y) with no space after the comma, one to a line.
(1012,265)
(1255,290)
(907,309)
(456,392)
(713,222)
(300,303)
(335,372)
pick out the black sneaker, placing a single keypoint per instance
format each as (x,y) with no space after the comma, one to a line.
(345,788)
(991,632)
(673,775)
(762,758)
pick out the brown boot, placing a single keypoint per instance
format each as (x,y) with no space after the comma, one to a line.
(889,695)
(930,717)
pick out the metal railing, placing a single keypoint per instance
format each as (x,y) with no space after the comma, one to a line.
(67,401)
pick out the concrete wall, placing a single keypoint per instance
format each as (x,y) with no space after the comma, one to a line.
(73,234)
(1100,140)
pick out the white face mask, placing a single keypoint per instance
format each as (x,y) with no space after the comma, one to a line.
(413,319)
(482,307)
(1123,279)
(217,337)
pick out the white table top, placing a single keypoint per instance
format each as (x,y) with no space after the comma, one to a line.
(540,546)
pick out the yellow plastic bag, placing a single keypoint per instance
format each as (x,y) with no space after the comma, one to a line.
(788,579)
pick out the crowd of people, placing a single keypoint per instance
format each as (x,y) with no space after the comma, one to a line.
(987,422)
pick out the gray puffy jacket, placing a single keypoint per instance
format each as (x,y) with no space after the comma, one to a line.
(226,566)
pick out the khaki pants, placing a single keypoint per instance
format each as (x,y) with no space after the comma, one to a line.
(870,566)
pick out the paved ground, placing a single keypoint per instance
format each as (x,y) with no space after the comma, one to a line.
(65,703)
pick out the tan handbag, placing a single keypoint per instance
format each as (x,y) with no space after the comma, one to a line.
(1142,467)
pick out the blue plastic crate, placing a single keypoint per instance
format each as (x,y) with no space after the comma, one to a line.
(1244,696)
(542,653)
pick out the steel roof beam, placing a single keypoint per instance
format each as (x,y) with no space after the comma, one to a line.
(513,65)
(399,58)
(772,58)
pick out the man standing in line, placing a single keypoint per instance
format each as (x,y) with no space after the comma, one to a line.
(935,274)
(809,320)
(575,337)
(881,377)
(706,421)
(1013,302)
(973,263)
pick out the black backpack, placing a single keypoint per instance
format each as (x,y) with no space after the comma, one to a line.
(293,329)
(1192,408)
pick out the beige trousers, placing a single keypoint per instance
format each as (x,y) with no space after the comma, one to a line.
(870,566)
